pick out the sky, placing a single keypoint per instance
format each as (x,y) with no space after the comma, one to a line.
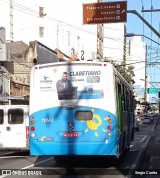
(69,14)
(136,25)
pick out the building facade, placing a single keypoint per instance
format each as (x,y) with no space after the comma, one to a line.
(137,57)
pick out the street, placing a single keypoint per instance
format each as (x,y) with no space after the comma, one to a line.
(138,158)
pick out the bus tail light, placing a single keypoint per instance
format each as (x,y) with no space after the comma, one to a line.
(32,128)
(110,127)
(109,134)
(110,121)
(33,135)
(31,122)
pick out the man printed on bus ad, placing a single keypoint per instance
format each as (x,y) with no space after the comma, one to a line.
(64,87)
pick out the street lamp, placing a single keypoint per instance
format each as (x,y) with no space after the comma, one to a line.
(133,34)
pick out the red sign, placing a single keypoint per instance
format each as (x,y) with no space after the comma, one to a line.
(106,12)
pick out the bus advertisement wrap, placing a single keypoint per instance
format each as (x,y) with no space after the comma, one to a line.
(70,84)
(77,109)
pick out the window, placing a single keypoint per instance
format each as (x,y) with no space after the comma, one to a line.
(41,31)
(127,100)
(124,98)
(15,116)
(41,12)
(1,116)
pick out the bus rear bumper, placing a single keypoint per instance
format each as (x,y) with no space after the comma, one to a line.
(85,148)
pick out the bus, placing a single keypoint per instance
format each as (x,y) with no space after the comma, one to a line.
(80,108)
(14,127)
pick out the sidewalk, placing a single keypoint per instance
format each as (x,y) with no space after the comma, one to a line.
(155,149)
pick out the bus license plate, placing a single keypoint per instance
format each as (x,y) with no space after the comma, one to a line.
(70,134)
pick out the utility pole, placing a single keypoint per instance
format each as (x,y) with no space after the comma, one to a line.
(100,37)
(153,10)
(145,79)
(11,20)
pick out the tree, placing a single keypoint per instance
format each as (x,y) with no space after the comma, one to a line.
(154,108)
(127,71)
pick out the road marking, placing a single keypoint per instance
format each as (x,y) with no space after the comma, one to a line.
(36,164)
(32,165)
(143,138)
(132,168)
(148,140)
(153,126)
(134,164)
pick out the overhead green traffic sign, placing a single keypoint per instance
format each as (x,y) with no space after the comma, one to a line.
(152,90)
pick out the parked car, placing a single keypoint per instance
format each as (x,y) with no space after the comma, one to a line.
(142,117)
(138,118)
(147,120)
(152,114)
(136,125)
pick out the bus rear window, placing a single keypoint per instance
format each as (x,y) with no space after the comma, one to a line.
(83,115)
